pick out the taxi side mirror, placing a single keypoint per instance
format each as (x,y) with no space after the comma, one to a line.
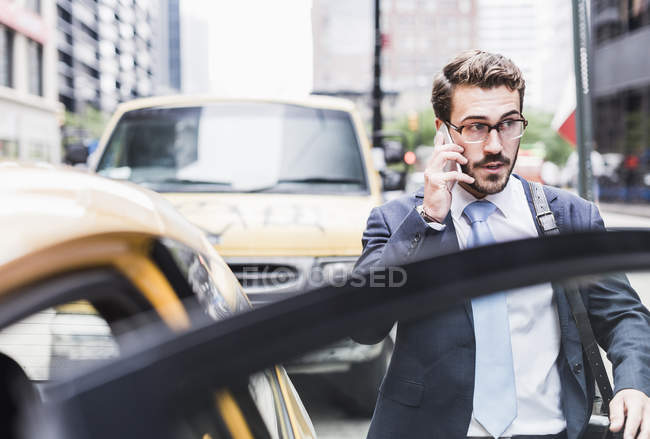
(76,154)
(393,180)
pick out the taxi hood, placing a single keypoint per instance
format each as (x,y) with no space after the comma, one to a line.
(279,224)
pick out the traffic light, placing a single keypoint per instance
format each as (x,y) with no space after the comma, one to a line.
(409,158)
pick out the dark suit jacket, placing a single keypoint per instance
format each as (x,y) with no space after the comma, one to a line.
(428,389)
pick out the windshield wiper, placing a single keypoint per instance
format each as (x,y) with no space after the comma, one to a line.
(320,180)
(188,181)
(308,180)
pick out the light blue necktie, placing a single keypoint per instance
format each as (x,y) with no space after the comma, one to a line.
(495,398)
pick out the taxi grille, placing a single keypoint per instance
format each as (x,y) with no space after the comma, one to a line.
(265,276)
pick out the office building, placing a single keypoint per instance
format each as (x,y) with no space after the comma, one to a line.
(29,126)
(105,52)
(621,96)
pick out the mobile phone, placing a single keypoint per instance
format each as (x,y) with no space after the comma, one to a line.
(451,165)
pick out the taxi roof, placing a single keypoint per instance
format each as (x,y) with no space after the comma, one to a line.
(44,205)
(327,102)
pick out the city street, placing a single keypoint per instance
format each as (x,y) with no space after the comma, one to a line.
(332,423)
(166,160)
(640,281)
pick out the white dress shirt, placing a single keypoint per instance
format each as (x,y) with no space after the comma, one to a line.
(532,315)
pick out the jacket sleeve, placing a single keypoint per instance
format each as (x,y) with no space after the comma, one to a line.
(621,325)
(383,248)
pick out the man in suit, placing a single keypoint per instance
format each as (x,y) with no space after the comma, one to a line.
(509,364)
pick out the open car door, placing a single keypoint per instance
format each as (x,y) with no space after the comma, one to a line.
(193,384)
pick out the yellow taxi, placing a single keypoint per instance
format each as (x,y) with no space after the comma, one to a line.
(86,263)
(282,187)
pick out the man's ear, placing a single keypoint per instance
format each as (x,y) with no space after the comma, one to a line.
(438,123)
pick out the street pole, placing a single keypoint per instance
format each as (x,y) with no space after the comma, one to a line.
(584,128)
(377,93)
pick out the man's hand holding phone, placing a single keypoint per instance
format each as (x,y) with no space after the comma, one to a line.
(442,172)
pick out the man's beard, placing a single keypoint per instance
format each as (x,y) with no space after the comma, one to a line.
(493,183)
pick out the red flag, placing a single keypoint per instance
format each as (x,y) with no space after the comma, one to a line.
(564,120)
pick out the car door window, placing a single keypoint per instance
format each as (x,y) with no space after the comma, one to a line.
(48,343)
(53,326)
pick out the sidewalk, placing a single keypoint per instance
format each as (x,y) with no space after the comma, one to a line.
(625,215)
(626,209)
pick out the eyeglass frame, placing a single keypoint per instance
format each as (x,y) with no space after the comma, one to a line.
(490,128)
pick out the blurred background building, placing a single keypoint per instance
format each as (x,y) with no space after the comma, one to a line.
(343,41)
(112,51)
(419,37)
(167,40)
(195,54)
(29,126)
(105,52)
(510,28)
(61,60)
(94,54)
(537,36)
(621,94)
(554,50)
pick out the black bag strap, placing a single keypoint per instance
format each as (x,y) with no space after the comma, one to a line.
(545,216)
(547,223)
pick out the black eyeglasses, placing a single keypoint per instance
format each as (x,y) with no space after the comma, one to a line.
(509,129)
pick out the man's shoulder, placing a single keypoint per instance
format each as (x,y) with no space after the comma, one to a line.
(575,213)
(561,196)
(565,197)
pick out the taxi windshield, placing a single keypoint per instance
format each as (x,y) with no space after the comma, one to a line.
(236,147)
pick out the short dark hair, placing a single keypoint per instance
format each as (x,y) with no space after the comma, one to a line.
(478,68)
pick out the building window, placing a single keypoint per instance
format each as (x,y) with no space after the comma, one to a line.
(614,18)
(6,57)
(38,151)
(63,14)
(68,102)
(35,67)
(33,5)
(8,149)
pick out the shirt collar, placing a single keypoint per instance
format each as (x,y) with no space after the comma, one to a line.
(505,201)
